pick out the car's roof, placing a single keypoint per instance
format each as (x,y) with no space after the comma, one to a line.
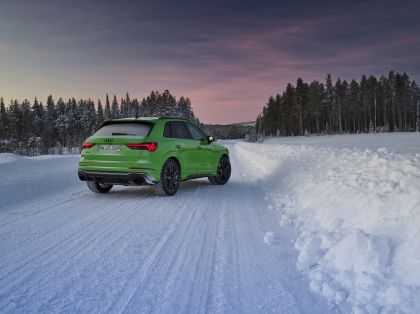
(148,119)
(135,119)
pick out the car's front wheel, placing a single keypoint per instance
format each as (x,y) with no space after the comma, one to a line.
(98,187)
(169,179)
(224,170)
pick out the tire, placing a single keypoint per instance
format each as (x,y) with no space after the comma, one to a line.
(169,179)
(98,187)
(224,170)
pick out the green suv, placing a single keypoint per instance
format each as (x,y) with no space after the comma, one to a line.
(151,151)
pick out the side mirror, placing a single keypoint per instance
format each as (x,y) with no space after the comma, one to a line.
(210,139)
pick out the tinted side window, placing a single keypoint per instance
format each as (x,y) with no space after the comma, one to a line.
(178,130)
(167,130)
(196,133)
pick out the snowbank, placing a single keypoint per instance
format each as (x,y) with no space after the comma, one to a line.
(357,213)
(399,142)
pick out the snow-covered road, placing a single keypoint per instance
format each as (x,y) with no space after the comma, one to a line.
(65,249)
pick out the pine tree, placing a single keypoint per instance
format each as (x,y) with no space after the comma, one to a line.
(340,92)
(115,111)
(328,99)
(99,115)
(372,83)
(392,85)
(301,101)
(315,99)
(49,137)
(38,116)
(3,123)
(61,123)
(386,105)
(364,98)
(288,100)
(354,106)
(385,94)
(107,113)
(125,106)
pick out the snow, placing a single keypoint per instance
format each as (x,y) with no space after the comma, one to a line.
(356,212)
(64,249)
(306,225)
(394,142)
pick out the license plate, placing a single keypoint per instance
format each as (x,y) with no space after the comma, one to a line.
(109,148)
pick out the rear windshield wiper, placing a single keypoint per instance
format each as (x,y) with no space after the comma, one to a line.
(122,134)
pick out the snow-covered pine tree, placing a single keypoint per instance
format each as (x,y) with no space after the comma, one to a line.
(3,118)
(49,137)
(144,109)
(125,106)
(115,111)
(123,109)
(4,142)
(99,115)
(61,124)
(135,109)
(189,114)
(38,116)
(73,122)
(107,112)
(152,103)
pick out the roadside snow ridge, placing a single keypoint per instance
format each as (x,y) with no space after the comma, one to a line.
(357,213)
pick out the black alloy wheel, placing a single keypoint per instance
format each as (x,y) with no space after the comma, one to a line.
(224,171)
(169,178)
(98,187)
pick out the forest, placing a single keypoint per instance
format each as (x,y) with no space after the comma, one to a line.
(388,104)
(60,127)
(229,131)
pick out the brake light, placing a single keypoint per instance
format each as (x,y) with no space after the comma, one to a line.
(87,145)
(151,147)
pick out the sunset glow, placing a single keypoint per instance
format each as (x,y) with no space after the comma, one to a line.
(228,58)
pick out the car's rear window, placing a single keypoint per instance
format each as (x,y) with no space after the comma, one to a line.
(124,129)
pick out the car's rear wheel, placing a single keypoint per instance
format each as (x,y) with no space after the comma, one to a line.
(224,170)
(169,179)
(98,187)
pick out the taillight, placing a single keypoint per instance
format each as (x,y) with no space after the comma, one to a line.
(87,145)
(151,147)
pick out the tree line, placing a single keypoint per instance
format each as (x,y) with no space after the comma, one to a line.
(229,131)
(387,104)
(34,128)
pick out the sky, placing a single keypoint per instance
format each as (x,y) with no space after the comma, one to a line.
(227,56)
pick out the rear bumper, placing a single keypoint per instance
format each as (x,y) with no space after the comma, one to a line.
(117,178)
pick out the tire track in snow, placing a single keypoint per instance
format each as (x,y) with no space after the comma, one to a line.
(82,244)
(225,285)
(179,257)
(143,271)
(101,253)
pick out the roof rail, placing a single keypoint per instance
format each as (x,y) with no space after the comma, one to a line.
(177,118)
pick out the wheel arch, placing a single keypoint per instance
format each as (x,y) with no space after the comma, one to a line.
(176,160)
